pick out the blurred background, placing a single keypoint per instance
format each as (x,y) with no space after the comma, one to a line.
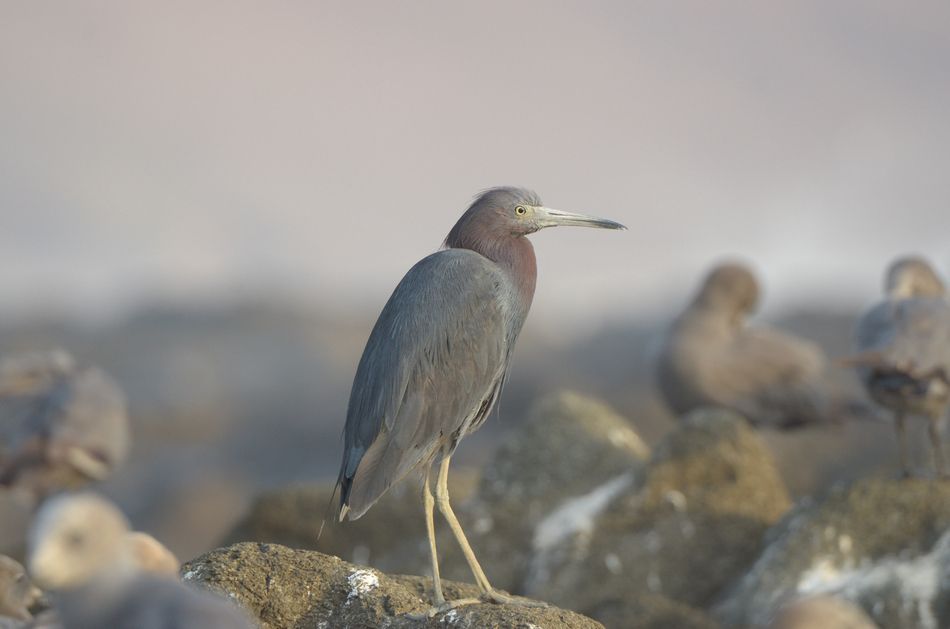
(213,201)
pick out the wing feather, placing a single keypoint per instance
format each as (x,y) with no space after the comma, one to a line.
(436,351)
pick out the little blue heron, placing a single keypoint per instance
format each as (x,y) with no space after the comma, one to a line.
(712,357)
(437,359)
(903,346)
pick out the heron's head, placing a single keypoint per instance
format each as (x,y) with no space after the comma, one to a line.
(730,288)
(75,538)
(912,276)
(513,212)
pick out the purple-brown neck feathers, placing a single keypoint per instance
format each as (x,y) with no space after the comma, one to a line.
(492,227)
(513,253)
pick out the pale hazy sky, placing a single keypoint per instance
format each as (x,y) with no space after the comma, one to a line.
(195,149)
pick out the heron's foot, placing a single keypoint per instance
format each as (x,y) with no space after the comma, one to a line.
(444,606)
(499,598)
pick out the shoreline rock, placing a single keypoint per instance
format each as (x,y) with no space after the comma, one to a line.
(291,589)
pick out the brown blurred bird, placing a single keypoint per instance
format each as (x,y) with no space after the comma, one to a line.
(712,357)
(80,550)
(17,592)
(821,612)
(61,425)
(902,349)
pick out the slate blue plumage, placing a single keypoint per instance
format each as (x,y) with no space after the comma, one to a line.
(437,358)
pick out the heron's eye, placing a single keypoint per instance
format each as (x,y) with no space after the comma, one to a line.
(520,210)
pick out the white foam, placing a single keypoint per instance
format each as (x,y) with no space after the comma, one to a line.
(577,515)
(917,579)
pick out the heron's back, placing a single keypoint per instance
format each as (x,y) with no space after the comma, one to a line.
(430,373)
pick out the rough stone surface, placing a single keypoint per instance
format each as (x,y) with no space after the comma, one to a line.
(292,517)
(568,446)
(882,544)
(710,493)
(297,589)
(649,611)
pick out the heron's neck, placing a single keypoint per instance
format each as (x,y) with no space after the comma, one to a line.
(515,255)
(518,259)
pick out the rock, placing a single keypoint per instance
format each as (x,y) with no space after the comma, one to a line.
(567,448)
(292,517)
(697,521)
(649,611)
(285,589)
(881,544)
(821,612)
(568,445)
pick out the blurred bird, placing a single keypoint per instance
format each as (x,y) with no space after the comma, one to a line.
(61,426)
(150,555)
(902,349)
(437,359)
(713,357)
(79,549)
(821,612)
(17,592)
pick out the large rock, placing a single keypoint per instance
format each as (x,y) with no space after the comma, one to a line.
(293,516)
(567,448)
(882,544)
(710,493)
(649,611)
(297,589)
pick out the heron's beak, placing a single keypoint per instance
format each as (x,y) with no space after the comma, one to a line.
(547,217)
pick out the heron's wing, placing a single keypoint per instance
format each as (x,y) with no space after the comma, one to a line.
(437,351)
(768,375)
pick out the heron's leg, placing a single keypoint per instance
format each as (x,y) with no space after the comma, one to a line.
(488,592)
(937,447)
(445,507)
(439,604)
(899,421)
(428,503)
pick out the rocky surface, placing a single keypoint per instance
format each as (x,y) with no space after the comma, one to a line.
(697,521)
(296,589)
(569,447)
(293,516)
(574,511)
(649,611)
(882,544)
